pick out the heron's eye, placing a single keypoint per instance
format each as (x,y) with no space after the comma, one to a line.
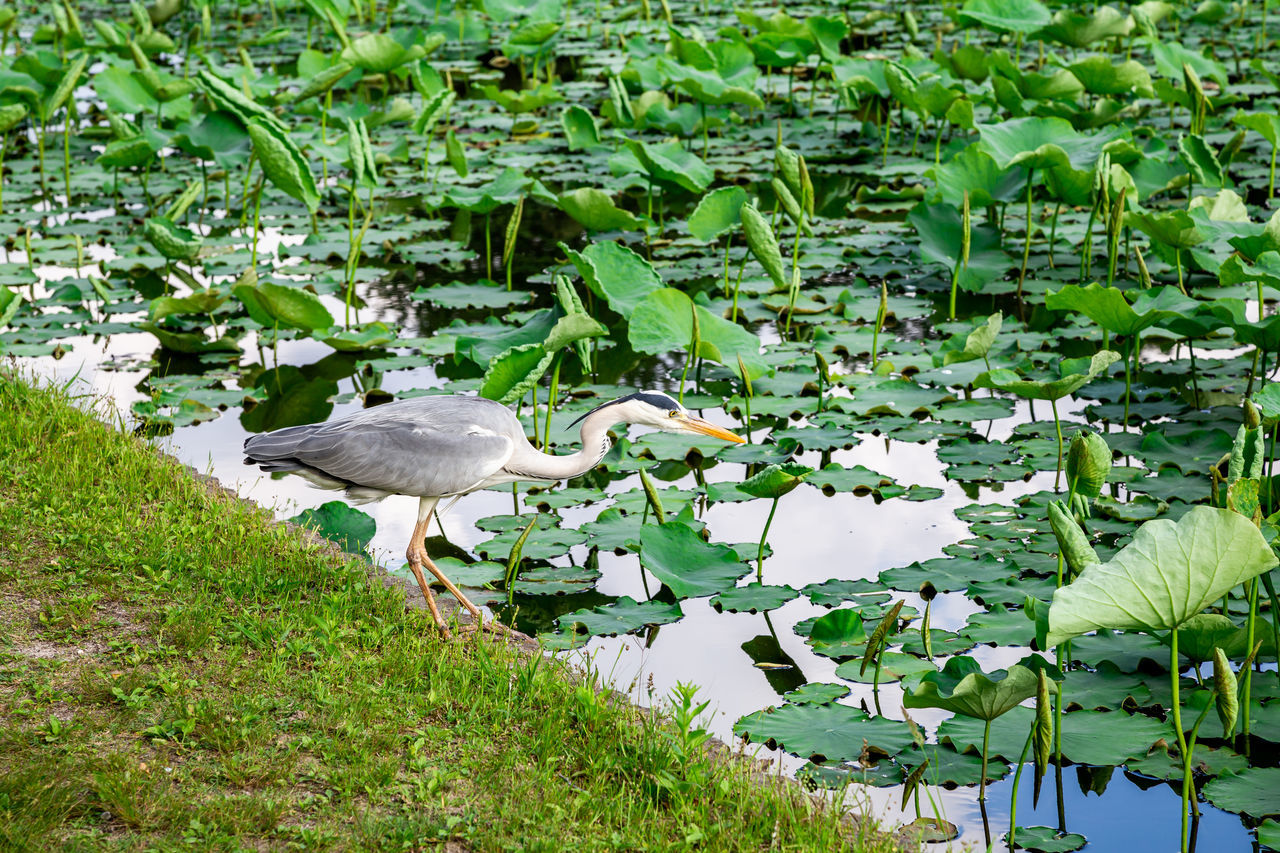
(673,414)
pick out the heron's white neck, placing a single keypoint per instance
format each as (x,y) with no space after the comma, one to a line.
(533,463)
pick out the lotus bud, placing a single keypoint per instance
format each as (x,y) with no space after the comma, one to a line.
(787,163)
(1088,464)
(1042,740)
(1224,692)
(1252,420)
(651,495)
(786,199)
(1041,732)
(1144,275)
(909,21)
(1075,546)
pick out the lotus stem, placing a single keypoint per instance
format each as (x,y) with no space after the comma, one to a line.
(257,208)
(1251,629)
(1026,246)
(67,151)
(1176,710)
(727,243)
(1057,425)
(551,401)
(763,537)
(986,739)
(1013,797)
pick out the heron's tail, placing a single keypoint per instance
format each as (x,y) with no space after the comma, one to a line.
(278,446)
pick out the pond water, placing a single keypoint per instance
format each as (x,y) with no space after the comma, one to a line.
(324,220)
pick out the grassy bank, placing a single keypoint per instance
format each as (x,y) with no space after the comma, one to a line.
(177,670)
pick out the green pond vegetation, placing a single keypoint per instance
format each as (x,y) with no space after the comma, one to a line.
(838,223)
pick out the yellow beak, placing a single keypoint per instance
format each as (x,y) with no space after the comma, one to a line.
(708,428)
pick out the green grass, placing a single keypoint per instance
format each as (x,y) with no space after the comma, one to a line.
(178,671)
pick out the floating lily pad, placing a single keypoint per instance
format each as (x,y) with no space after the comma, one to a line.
(823,733)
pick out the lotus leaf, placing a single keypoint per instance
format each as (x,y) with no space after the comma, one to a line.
(621,617)
(595,210)
(823,733)
(352,529)
(690,567)
(1166,575)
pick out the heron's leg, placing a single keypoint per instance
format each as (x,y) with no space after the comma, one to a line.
(417,553)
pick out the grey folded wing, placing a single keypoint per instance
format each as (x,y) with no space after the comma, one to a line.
(396,457)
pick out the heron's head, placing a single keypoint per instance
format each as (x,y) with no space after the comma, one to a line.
(657,409)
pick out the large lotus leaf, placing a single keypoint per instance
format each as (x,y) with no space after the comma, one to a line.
(679,558)
(352,529)
(1108,307)
(1100,77)
(220,138)
(1006,16)
(595,210)
(1202,633)
(1174,228)
(671,163)
(514,372)
(975,172)
(706,86)
(754,598)
(941,231)
(616,274)
(776,480)
(1254,792)
(279,305)
(821,733)
(963,688)
(1079,29)
(1171,55)
(1201,161)
(507,188)
(1032,142)
(1166,575)
(1266,124)
(663,322)
(1088,737)
(366,337)
(379,53)
(1008,380)
(717,212)
(621,617)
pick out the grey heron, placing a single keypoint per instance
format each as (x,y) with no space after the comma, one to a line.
(446,446)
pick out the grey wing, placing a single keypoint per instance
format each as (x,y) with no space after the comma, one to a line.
(407,461)
(427,446)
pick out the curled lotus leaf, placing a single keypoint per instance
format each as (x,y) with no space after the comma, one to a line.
(1088,464)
